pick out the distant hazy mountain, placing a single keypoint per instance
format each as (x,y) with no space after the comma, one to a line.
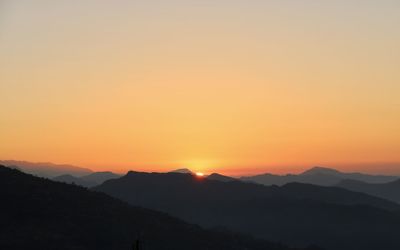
(390,190)
(219,177)
(66,178)
(37,214)
(318,176)
(45,169)
(90,180)
(298,214)
(100,177)
(182,171)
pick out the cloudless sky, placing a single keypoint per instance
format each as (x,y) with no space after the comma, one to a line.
(236,87)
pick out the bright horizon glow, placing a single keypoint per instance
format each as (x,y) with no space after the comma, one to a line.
(234,87)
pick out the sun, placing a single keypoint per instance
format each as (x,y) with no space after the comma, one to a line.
(199,174)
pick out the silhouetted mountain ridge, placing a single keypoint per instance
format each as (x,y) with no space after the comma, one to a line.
(297,213)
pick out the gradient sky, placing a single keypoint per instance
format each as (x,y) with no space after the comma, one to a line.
(237,87)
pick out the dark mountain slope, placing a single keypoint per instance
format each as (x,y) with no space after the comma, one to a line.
(299,214)
(390,190)
(38,213)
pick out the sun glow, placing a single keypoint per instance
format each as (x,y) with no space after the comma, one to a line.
(199,174)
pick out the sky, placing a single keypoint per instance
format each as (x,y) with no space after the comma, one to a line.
(236,87)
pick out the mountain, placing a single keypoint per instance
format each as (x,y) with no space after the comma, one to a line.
(390,190)
(66,178)
(45,169)
(100,177)
(219,177)
(318,176)
(38,213)
(299,214)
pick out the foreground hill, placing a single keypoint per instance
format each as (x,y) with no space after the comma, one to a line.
(39,214)
(317,176)
(390,190)
(299,214)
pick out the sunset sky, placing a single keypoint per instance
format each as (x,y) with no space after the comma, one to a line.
(237,87)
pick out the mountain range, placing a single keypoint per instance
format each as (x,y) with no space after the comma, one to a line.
(342,212)
(297,214)
(38,213)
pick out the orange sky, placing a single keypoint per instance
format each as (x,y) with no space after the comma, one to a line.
(229,86)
